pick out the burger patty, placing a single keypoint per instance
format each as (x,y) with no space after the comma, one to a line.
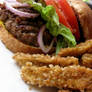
(24,29)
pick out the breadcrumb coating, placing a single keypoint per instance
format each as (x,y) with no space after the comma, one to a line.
(64,91)
(73,77)
(67,90)
(38,59)
(80,49)
(87,60)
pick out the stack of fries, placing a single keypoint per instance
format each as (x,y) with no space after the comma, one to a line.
(69,71)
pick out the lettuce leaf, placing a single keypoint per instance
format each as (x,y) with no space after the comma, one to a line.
(61,43)
(48,13)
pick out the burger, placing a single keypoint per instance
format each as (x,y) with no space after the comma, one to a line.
(44,26)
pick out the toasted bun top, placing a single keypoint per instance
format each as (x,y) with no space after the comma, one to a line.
(84,14)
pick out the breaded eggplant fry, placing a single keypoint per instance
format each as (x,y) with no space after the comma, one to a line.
(73,77)
(78,50)
(87,60)
(64,91)
(21,59)
(74,90)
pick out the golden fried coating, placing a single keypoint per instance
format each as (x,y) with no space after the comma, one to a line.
(87,60)
(73,77)
(21,59)
(64,91)
(78,50)
(74,90)
(67,90)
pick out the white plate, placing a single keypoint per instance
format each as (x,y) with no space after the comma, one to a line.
(10,80)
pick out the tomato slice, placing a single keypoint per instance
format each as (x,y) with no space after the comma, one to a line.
(70,16)
(62,18)
(66,15)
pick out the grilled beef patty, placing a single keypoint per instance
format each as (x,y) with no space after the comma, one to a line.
(24,29)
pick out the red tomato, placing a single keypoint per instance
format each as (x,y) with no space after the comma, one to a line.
(62,18)
(70,16)
(66,15)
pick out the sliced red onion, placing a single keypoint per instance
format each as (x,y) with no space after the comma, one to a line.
(15,3)
(41,43)
(19,13)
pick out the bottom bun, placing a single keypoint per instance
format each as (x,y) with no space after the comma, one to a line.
(15,45)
